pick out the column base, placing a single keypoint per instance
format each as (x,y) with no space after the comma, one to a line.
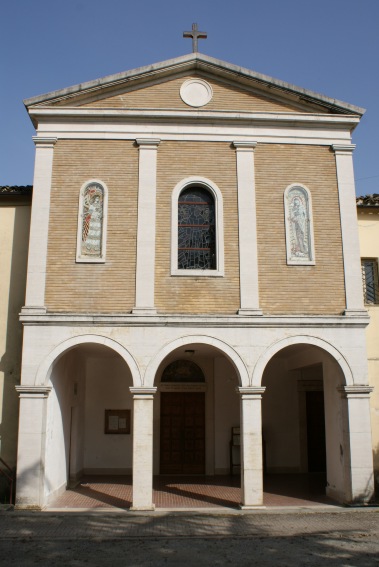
(355,313)
(33,310)
(144,311)
(252,507)
(142,508)
(247,311)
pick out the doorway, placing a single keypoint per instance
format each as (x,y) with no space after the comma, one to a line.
(316,431)
(182,446)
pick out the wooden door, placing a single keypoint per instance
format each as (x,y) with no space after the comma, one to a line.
(316,432)
(182,433)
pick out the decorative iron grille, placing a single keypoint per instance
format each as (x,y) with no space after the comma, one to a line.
(196,230)
(370,281)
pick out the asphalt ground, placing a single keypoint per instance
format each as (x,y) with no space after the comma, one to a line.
(302,537)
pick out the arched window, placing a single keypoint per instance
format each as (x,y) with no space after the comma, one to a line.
(197,229)
(92,218)
(183,371)
(299,226)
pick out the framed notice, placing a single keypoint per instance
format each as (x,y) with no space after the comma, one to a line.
(117,421)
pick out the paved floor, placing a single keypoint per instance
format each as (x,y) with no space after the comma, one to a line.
(193,492)
(331,537)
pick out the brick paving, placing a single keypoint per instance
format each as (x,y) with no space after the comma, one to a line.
(100,492)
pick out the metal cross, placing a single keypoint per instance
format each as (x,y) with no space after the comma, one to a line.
(195,35)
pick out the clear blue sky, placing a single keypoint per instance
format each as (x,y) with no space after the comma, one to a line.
(328,46)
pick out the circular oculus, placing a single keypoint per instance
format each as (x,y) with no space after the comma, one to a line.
(196,92)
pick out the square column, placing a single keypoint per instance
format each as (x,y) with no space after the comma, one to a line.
(31,446)
(247,229)
(147,189)
(143,448)
(251,447)
(358,458)
(349,229)
(39,226)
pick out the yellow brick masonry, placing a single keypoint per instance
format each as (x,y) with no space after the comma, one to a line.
(166,95)
(110,287)
(178,294)
(286,289)
(88,288)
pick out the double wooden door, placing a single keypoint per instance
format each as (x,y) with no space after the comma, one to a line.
(182,433)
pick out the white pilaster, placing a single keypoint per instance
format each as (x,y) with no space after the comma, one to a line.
(31,446)
(251,448)
(358,458)
(143,448)
(147,188)
(39,225)
(247,229)
(349,229)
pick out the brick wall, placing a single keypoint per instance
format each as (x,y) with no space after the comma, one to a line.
(166,95)
(108,287)
(315,289)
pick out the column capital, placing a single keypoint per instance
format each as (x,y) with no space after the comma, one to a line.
(142,393)
(247,145)
(356,391)
(251,392)
(151,143)
(28,391)
(44,142)
(343,148)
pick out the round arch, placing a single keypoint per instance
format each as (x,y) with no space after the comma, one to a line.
(43,372)
(296,340)
(225,349)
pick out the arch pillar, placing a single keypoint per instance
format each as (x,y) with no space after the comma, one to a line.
(358,462)
(251,447)
(143,399)
(31,446)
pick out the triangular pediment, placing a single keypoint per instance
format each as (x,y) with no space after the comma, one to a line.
(159,86)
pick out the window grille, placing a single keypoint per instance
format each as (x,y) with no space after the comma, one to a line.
(370,281)
(196,230)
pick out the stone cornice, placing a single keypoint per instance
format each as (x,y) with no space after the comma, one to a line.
(101,115)
(190,321)
(31,391)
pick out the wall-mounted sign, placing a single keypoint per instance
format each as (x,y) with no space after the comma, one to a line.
(117,421)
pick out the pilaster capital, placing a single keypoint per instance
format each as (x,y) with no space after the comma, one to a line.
(148,143)
(142,393)
(36,392)
(343,149)
(356,391)
(251,393)
(246,146)
(42,142)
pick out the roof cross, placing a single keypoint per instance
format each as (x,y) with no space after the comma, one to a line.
(195,35)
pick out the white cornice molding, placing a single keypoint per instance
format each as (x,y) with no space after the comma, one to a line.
(46,142)
(190,321)
(343,148)
(31,391)
(245,145)
(144,114)
(154,142)
(355,391)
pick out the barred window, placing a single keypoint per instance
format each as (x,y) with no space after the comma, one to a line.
(370,281)
(196,230)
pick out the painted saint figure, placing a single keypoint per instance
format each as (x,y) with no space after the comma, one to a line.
(92,221)
(299,227)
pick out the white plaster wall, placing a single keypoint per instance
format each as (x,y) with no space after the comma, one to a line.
(58,422)
(107,387)
(280,418)
(368,226)
(14,235)
(226,411)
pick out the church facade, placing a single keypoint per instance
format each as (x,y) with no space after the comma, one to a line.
(193,277)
